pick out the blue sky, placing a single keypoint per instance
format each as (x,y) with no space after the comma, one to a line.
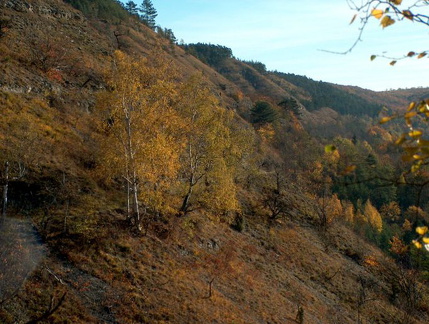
(288,36)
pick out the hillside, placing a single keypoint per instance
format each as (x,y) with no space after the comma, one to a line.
(142,189)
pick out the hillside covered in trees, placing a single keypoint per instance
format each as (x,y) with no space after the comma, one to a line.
(145,181)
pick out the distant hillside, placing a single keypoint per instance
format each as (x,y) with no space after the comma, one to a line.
(324,94)
(254,80)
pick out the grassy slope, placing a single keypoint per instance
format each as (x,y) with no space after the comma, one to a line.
(111,275)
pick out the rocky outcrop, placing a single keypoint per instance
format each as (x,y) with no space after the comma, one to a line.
(49,10)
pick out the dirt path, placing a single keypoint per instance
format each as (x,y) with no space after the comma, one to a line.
(21,250)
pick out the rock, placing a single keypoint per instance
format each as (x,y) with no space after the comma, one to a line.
(20,6)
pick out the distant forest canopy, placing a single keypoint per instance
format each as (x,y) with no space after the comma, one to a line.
(210,54)
(327,95)
(258,66)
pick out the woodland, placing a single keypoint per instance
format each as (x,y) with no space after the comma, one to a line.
(149,181)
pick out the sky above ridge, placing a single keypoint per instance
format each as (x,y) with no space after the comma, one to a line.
(293,36)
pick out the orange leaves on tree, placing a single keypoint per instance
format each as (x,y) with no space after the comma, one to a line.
(397,246)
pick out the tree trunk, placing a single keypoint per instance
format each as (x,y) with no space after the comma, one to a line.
(192,182)
(211,288)
(5,189)
(132,170)
(185,204)
(128,198)
(136,210)
(66,216)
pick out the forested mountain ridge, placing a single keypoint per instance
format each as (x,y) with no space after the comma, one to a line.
(145,186)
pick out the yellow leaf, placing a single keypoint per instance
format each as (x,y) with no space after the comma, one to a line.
(385,120)
(396,2)
(423,108)
(422,54)
(417,157)
(410,114)
(377,13)
(330,148)
(387,21)
(426,240)
(411,106)
(400,140)
(415,134)
(422,230)
(416,167)
(417,244)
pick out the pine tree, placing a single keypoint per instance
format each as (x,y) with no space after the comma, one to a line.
(292,105)
(148,13)
(263,113)
(131,7)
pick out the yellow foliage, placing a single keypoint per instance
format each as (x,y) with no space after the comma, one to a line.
(422,230)
(267,132)
(373,216)
(333,157)
(142,127)
(371,261)
(334,208)
(212,149)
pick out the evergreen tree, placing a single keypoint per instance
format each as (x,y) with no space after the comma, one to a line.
(291,104)
(148,13)
(131,7)
(263,113)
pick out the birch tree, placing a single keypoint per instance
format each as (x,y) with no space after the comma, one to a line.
(140,123)
(207,170)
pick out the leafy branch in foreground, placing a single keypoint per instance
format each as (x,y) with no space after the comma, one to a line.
(416,147)
(388,12)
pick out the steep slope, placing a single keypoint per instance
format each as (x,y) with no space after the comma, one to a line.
(198,268)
